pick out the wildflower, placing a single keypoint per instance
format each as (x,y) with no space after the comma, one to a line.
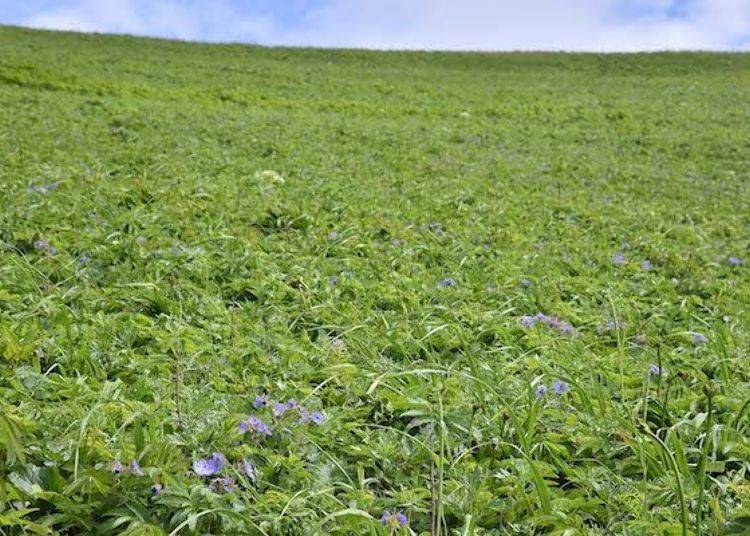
(560,387)
(135,468)
(41,244)
(565,328)
(541,391)
(333,281)
(699,338)
(156,489)
(248,468)
(618,258)
(734,261)
(222,484)
(541,317)
(117,467)
(396,519)
(83,259)
(279,409)
(445,283)
(260,401)
(255,425)
(317,418)
(52,250)
(525,283)
(528,321)
(646,265)
(656,370)
(209,466)
(333,235)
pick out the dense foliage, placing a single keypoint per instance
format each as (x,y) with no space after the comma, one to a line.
(274,291)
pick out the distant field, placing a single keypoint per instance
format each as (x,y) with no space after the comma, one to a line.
(505,293)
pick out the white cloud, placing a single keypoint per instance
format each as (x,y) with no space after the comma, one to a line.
(443,24)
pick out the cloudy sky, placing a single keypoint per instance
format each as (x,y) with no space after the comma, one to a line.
(597,25)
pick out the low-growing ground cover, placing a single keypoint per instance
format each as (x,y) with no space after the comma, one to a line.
(276,291)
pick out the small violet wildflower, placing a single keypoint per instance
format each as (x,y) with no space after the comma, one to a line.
(255,425)
(618,258)
(117,467)
(260,401)
(541,391)
(734,261)
(656,370)
(223,484)
(525,283)
(699,338)
(209,466)
(248,468)
(135,468)
(560,387)
(646,265)
(445,283)
(396,519)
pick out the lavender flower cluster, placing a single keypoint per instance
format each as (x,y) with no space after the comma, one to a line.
(560,387)
(258,427)
(394,520)
(212,467)
(553,322)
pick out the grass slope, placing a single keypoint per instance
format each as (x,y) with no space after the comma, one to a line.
(186,227)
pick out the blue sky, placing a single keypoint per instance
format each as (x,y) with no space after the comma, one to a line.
(597,25)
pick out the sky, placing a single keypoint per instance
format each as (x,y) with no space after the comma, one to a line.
(591,25)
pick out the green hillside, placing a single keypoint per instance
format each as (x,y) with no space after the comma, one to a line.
(495,293)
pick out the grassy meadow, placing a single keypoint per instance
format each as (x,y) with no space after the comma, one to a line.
(293,291)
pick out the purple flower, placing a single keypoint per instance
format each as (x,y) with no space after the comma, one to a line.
(248,468)
(260,401)
(445,283)
(317,418)
(618,258)
(528,321)
(560,387)
(541,391)
(396,519)
(52,250)
(655,370)
(135,467)
(734,261)
(541,317)
(291,403)
(279,408)
(646,265)
(223,484)
(333,281)
(699,338)
(255,425)
(333,235)
(209,466)
(385,517)
(402,519)
(565,328)
(117,467)
(525,283)
(83,259)
(41,244)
